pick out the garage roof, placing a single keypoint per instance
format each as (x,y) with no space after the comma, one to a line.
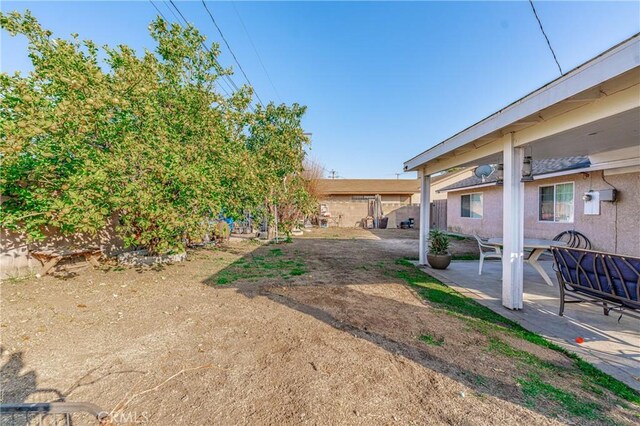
(368,186)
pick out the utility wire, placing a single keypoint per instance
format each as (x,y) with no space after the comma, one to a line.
(230,50)
(156,7)
(228,78)
(545,36)
(171,10)
(232,85)
(167,20)
(255,50)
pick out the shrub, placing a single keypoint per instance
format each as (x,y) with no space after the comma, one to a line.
(438,242)
(147,139)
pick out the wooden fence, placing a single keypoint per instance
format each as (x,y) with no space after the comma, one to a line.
(439,215)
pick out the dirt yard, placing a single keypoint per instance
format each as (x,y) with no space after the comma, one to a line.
(323,330)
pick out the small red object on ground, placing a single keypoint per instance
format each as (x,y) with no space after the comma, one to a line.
(579,340)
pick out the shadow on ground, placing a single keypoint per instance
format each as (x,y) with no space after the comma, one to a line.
(19,384)
(356,287)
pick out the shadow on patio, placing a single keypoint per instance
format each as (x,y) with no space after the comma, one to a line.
(611,345)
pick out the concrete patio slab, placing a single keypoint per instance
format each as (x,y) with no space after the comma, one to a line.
(611,345)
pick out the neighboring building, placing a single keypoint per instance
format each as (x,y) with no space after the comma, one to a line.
(554,202)
(348,200)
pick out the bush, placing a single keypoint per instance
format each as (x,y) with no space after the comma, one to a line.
(438,242)
(147,139)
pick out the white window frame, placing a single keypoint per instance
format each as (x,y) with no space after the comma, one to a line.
(481,194)
(573,215)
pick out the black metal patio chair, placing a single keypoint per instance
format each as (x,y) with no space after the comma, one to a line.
(574,239)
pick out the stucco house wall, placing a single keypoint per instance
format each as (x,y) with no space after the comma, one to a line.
(16,260)
(397,208)
(615,229)
(347,200)
(444,180)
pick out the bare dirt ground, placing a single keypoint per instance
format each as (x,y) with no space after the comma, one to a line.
(318,331)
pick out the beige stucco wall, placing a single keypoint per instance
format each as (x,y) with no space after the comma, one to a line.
(444,181)
(353,212)
(605,232)
(15,260)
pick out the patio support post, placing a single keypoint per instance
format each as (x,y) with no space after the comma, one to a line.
(512,225)
(425,210)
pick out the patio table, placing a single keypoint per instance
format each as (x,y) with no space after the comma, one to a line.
(537,246)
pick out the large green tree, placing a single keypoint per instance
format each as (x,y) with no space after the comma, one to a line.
(147,139)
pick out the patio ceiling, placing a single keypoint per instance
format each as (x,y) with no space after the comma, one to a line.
(591,109)
(615,132)
(612,133)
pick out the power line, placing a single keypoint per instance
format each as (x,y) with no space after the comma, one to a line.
(545,36)
(233,3)
(230,83)
(230,50)
(227,77)
(170,10)
(203,45)
(156,7)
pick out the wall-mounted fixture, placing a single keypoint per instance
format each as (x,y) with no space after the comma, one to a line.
(608,195)
(527,169)
(591,202)
(500,174)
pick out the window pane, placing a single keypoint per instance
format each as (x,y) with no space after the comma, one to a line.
(465,206)
(546,204)
(564,202)
(476,205)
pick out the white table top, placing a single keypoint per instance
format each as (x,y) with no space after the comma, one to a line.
(533,243)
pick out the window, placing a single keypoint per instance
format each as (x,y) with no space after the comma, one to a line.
(556,203)
(471,206)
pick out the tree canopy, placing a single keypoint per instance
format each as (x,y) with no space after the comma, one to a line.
(97,133)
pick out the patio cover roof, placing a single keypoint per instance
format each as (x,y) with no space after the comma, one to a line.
(612,72)
(592,111)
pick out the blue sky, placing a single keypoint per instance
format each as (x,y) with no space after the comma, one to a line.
(383,81)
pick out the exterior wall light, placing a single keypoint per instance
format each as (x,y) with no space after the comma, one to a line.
(500,174)
(527,171)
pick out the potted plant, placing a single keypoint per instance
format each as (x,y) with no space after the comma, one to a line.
(438,255)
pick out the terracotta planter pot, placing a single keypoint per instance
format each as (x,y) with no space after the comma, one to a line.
(439,261)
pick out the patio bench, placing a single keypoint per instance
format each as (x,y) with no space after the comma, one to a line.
(606,279)
(50,258)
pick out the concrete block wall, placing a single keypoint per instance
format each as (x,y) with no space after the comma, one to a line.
(353,212)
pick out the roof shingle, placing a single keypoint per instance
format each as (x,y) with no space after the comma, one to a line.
(539,167)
